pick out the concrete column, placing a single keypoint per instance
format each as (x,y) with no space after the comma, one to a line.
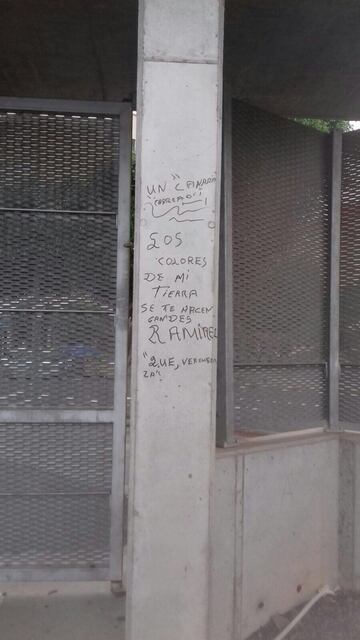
(174,353)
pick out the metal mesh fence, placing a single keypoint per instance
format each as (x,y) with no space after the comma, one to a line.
(41,457)
(58,161)
(350,281)
(54,500)
(57,261)
(58,253)
(57,530)
(280,271)
(280,398)
(56,360)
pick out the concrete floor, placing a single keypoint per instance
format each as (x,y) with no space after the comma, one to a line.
(59,611)
(332,618)
(88,611)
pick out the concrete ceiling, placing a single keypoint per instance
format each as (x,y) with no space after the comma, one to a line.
(74,49)
(295,57)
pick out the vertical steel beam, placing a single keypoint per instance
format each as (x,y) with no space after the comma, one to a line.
(225,382)
(334,366)
(121,337)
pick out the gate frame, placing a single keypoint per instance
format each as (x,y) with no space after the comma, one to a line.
(225,370)
(117,415)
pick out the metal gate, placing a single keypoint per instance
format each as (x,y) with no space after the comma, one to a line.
(289,354)
(64,221)
(275,274)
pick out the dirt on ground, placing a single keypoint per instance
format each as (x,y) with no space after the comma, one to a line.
(332,618)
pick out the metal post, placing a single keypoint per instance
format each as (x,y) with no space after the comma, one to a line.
(225,372)
(334,366)
(121,337)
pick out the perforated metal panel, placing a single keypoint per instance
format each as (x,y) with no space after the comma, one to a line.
(43,263)
(59,184)
(47,531)
(54,498)
(350,281)
(58,161)
(280,397)
(57,360)
(280,271)
(57,457)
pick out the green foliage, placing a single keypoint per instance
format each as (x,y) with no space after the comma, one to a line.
(326,126)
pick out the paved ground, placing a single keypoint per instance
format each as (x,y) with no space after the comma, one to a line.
(60,612)
(332,618)
(90,612)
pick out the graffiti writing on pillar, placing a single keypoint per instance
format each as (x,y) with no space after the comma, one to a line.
(177,312)
(181,201)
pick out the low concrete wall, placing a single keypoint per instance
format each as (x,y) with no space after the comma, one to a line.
(275,538)
(349,511)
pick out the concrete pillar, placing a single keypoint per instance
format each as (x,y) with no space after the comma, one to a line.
(174,352)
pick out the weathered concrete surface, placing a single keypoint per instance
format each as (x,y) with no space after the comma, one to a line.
(53,611)
(333,618)
(356,540)
(347,482)
(192,36)
(276,527)
(226,536)
(174,355)
(349,511)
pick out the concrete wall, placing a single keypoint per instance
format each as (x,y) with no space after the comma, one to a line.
(349,511)
(275,533)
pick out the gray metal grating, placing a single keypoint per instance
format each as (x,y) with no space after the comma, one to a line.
(279,398)
(58,161)
(280,270)
(57,261)
(350,281)
(54,531)
(43,458)
(56,360)
(55,482)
